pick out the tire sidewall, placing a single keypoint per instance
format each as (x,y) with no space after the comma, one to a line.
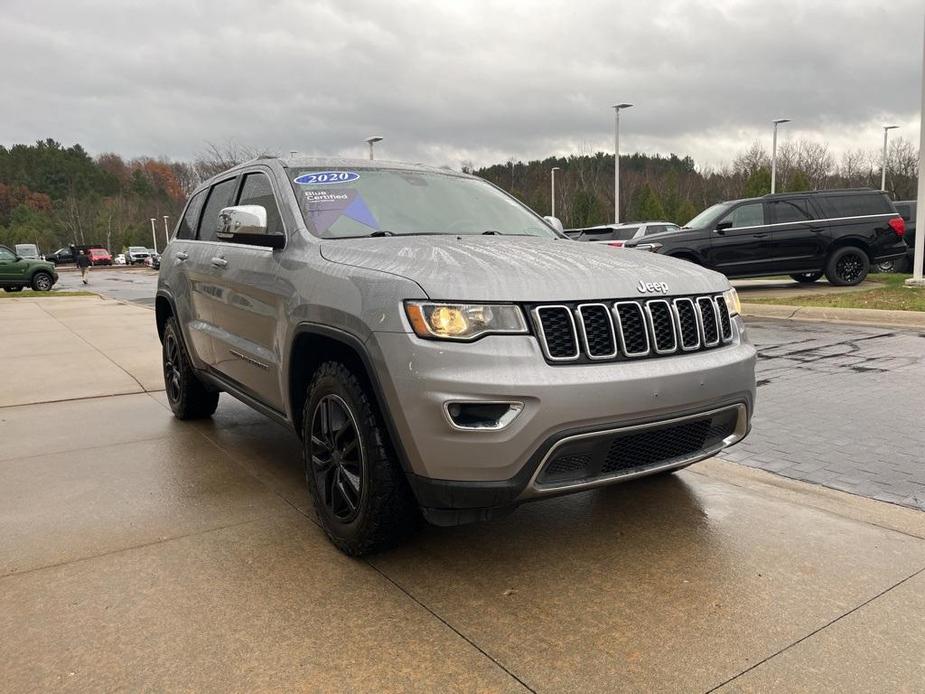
(171,332)
(330,384)
(41,276)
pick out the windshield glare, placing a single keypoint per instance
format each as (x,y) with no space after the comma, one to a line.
(704,217)
(347,203)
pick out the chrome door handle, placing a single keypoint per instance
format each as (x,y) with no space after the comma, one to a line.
(219,262)
(181,255)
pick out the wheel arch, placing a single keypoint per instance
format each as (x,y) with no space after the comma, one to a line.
(850,241)
(163,309)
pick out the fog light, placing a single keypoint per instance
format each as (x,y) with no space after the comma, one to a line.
(485,416)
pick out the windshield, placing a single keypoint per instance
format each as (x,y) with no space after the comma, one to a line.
(24,249)
(385,202)
(704,217)
(137,249)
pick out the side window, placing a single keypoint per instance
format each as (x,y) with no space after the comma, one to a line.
(655,229)
(219,197)
(6,254)
(257,190)
(783,211)
(855,205)
(187,228)
(748,215)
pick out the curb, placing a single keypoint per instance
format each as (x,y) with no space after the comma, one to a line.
(859,316)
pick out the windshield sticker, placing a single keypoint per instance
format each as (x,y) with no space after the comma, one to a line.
(317,178)
(325,207)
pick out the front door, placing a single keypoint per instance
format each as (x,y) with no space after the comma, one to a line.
(739,243)
(12,269)
(248,309)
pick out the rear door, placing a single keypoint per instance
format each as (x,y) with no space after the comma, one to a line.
(739,243)
(797,242)
(249,306)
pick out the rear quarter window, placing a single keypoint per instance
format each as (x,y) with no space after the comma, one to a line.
(187,227)
(854,205)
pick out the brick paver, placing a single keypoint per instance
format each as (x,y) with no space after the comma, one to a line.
(841,406)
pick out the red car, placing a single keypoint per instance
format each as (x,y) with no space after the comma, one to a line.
(100,256)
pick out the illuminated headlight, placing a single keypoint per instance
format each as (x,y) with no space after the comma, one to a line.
(731,296)
(463,321)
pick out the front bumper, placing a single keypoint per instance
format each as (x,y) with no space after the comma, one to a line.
(485,471)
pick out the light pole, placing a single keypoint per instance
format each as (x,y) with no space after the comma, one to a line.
(373,140)
(553,195)
(166,233)
(616,160)
(774,153)
(153,234)
(886,130)
(917,259)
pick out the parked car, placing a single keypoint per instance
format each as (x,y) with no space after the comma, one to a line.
(17,272)
(906,209)
(617,234)
(28,251)
(119,259)
(153,262)
(836,233)
(61,256)
(99,256)
(135,255)
(439,346)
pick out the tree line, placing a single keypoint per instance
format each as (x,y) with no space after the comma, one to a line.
(53,195)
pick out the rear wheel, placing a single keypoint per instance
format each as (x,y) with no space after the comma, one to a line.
(188,397)
(895,265)
(42,282)
(806,277)
(12,289)
(847,266)
(360,493)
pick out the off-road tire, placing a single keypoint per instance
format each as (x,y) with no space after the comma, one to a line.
(806,277)
(386,510)
(13,289)
(188,396)
(838,275)
(42,282)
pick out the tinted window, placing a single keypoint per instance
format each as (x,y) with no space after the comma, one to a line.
(256,190)
(219,197)
(905,209)
(6,254)
(750,215)
(655,229)
(783,211)
(187,228)
(853,205)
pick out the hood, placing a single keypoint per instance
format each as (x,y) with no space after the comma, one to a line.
(521,269)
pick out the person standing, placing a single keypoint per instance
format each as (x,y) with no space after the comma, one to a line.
(83,262)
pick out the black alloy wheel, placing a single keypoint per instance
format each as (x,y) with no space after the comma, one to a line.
(338,461)
(172,367)
(850,269)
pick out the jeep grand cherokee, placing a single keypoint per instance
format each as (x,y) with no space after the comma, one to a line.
(439,348)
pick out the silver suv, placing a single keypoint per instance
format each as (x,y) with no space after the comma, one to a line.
(439,348)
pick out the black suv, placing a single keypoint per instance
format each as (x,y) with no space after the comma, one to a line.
(838,233)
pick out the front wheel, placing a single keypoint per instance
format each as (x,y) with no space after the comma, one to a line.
(42,282)
(847,266)
(359,491)
(806,277)
(188,397)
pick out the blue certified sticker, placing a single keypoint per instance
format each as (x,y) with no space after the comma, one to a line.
(325,177)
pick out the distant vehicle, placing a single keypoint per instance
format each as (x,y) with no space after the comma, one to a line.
(119,259)
(28,251)
(906,209)
(617,234)
(61,256)
(99,256)
(17,272)
(135,255)
(836,233)
(153,261)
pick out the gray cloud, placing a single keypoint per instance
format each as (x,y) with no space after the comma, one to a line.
(448,81)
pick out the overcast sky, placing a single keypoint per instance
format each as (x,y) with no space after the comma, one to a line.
(451,80)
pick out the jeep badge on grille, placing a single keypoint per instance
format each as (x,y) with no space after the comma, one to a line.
(649,287)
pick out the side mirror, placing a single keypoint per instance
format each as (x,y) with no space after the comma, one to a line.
(247,224)
(555,224)
(722,226)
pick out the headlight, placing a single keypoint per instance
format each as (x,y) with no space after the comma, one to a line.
(463,321)
(732,301)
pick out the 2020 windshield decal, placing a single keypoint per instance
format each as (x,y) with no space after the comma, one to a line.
(326,177)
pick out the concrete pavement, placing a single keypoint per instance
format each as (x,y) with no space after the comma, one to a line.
(140,552)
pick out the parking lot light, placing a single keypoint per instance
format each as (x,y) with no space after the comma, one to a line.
(553,173)
(373,140)
(616,160)
(153,234)
(886,130)
(166,232)
(774,153)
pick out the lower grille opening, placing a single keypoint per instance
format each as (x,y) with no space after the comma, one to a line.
(586,458)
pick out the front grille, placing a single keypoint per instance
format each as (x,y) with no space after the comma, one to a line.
(609,331)
(586,458)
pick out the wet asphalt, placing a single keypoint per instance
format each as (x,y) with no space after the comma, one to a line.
(136,284)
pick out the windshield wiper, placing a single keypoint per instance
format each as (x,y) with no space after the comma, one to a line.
(382,232)
(492,232)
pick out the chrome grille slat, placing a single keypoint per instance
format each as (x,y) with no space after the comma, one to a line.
(631,329)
